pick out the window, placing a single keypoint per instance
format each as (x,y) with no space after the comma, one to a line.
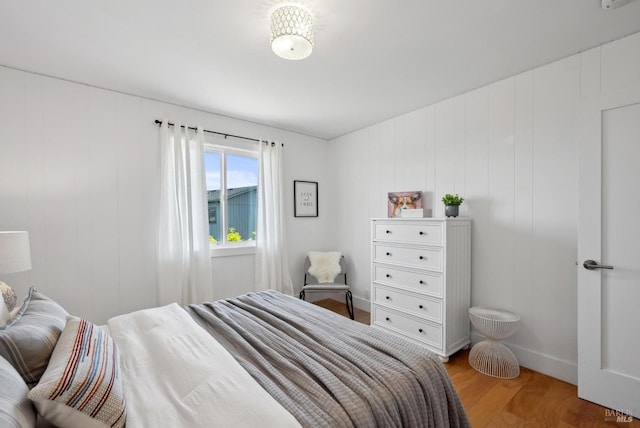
(232,185)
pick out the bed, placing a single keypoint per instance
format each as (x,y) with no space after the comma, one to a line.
(261,359)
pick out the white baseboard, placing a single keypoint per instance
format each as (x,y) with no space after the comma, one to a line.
(361,303)
(542,363)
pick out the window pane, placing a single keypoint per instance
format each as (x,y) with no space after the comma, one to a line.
(212,172)
(242,185)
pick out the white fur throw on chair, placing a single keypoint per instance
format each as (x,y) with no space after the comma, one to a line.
(325,265)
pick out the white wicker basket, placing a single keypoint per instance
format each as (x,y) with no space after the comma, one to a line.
(494,323)
(490,356)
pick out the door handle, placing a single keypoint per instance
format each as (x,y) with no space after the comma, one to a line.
(591,265)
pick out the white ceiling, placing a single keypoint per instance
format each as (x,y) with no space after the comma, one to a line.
(373,59)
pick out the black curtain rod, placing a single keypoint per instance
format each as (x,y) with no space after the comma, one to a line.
(225,135)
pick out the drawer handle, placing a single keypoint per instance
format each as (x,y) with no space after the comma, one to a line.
(388,254)
(422,233)
(388,232)
(421,282)
(387,319)
(388,276)
(423,258)
(421,307)
(387,297)
(420,330)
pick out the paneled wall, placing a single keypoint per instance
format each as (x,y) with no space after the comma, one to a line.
(510,149)
(79,168)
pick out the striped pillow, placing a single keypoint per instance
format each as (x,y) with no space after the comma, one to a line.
(82,386)
(28,339)
(16,411)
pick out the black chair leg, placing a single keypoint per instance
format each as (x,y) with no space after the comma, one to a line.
(301,296)
(349,298)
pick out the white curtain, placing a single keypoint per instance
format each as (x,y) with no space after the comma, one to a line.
(184,270)
(272,267)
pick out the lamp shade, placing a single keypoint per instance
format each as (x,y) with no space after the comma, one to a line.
(291,32)
(15,253)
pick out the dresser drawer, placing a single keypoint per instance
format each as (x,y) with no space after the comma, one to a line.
(430,283)
(427,258)
(425,233)
(421,330)
(419,305)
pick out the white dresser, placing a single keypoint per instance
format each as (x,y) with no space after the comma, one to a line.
(421,280)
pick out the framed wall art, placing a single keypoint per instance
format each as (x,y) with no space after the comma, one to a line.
(305,198)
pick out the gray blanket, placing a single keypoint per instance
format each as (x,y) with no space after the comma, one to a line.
(329,371)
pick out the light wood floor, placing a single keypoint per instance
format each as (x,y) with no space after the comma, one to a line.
(531,400)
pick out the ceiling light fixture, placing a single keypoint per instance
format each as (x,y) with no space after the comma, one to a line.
(291,31)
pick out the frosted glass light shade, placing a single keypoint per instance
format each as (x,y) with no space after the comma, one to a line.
(15,253)
(291,32)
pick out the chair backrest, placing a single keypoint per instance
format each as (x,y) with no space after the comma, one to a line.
(310,279)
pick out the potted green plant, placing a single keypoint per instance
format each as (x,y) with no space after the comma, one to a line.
(451,204)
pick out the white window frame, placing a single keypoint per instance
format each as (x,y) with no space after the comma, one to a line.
(224,248)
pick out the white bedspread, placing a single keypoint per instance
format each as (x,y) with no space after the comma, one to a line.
(176,375)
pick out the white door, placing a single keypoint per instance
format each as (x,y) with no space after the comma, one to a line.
(609,234)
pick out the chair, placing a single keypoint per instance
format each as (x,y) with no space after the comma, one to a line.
(338,285)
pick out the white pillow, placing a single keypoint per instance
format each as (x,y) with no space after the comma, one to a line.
(5,315)
(8,295)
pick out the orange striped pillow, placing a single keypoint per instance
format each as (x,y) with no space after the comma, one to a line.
(82,386)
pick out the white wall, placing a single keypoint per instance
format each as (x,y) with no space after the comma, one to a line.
(79,167)
(79,170)
(510,148)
